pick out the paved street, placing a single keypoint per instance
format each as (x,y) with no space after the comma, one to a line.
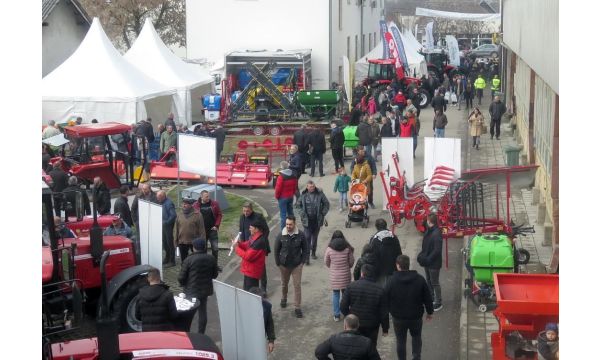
(297,338)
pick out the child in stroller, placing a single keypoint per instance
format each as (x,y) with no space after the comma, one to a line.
(358,205)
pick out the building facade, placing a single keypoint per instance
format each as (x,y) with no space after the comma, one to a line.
(530,82)
(64,25)
(330,28)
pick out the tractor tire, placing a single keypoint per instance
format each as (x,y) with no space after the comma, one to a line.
(425,98)
(125,304)
(523,256)
(258,130)
(494,55)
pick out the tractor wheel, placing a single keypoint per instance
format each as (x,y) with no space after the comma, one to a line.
(275,130)
(125,304)
(425,98)
(482,308)
(494,55)
(523,256)
(258,130)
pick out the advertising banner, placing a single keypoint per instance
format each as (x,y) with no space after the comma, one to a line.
(429,35)
(382,30)
(453,53)
(393,29)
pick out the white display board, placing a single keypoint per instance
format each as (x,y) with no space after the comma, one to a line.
(404,148)
(151,233)
(197,154)
(444,152)
(242,323)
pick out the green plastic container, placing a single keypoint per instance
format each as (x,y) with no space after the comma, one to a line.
(318,97)
(512,154)
(350,138)
(491,254)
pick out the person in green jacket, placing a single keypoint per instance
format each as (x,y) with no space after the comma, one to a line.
(495,85)
(167,140)
(341,186)
(479,86)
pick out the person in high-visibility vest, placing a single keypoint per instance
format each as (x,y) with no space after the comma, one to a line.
(479,86)
(495,85)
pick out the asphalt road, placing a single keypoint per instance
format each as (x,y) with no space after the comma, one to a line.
(297,338)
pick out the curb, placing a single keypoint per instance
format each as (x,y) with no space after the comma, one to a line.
(464,317)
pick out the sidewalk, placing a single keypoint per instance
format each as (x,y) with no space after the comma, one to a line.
(476,327)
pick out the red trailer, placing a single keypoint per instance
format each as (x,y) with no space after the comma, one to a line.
(526,303)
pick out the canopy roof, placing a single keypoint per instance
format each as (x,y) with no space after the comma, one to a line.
(97,72)
(456,15)
(153,57)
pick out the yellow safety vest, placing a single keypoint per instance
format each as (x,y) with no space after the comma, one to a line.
(495,84)
(479,83)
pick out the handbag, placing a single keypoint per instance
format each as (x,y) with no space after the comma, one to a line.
(453,98)
(447,96)
(484,129)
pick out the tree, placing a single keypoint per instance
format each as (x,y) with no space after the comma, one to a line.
(123,19)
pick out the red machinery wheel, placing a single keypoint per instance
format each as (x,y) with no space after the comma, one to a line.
(258,130)
(275,130)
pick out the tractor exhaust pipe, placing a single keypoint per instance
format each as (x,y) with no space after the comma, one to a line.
(96,239)
(107,326)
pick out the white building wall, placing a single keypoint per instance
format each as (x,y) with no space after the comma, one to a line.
(61,37)
(215,27)
(350,27)
(531,31)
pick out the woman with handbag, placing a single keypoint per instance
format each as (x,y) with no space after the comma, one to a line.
(476,127)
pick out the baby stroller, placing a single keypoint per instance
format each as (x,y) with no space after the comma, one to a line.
(358,205)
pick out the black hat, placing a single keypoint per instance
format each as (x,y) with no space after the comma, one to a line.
(188,200)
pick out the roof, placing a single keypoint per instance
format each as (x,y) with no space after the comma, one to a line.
(277,53)
(49,5)
(100,129)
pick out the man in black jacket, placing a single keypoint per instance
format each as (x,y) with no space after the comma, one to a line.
(301,140)
(430,258)
(497,109)
(336,139)
(101,196)
(121,206)
(365,299)
(246,219)
(291,252)
(317,146)
(364,134)
(439,103)
(70,197)
(196,274)
(156,305)
(60,181)
(349,344)
(407,293)
(219,135)
(387,247)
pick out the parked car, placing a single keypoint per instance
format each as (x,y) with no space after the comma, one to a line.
(486,50)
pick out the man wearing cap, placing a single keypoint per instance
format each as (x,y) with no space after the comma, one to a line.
(188,226)
(169,215)
(197,272)
(101,196)
(119,227)
(212,215)
(145,193)
(248,217)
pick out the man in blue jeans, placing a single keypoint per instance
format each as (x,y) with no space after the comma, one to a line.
(439,123)
(407,294)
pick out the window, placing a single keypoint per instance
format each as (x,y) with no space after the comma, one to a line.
(340,5)
(370,41)
(348,48)
(543,123)
(355,47)
(374,39)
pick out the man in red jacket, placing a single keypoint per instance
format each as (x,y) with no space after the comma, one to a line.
(253,254)
(285,188)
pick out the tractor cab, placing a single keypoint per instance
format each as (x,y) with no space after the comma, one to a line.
(103,150)
(383,71)
(438,63)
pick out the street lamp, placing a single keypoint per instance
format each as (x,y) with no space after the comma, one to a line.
(484,4)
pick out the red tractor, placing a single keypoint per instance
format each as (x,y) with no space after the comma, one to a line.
(438,64)
(71,274)
(103,150)
(383,71)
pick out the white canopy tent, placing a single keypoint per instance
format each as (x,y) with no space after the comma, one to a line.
(416,62)
(411,39)
(97,83)
(456,15)
(150,55)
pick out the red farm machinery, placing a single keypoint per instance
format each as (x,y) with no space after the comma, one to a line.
(465,206)
(383,71)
